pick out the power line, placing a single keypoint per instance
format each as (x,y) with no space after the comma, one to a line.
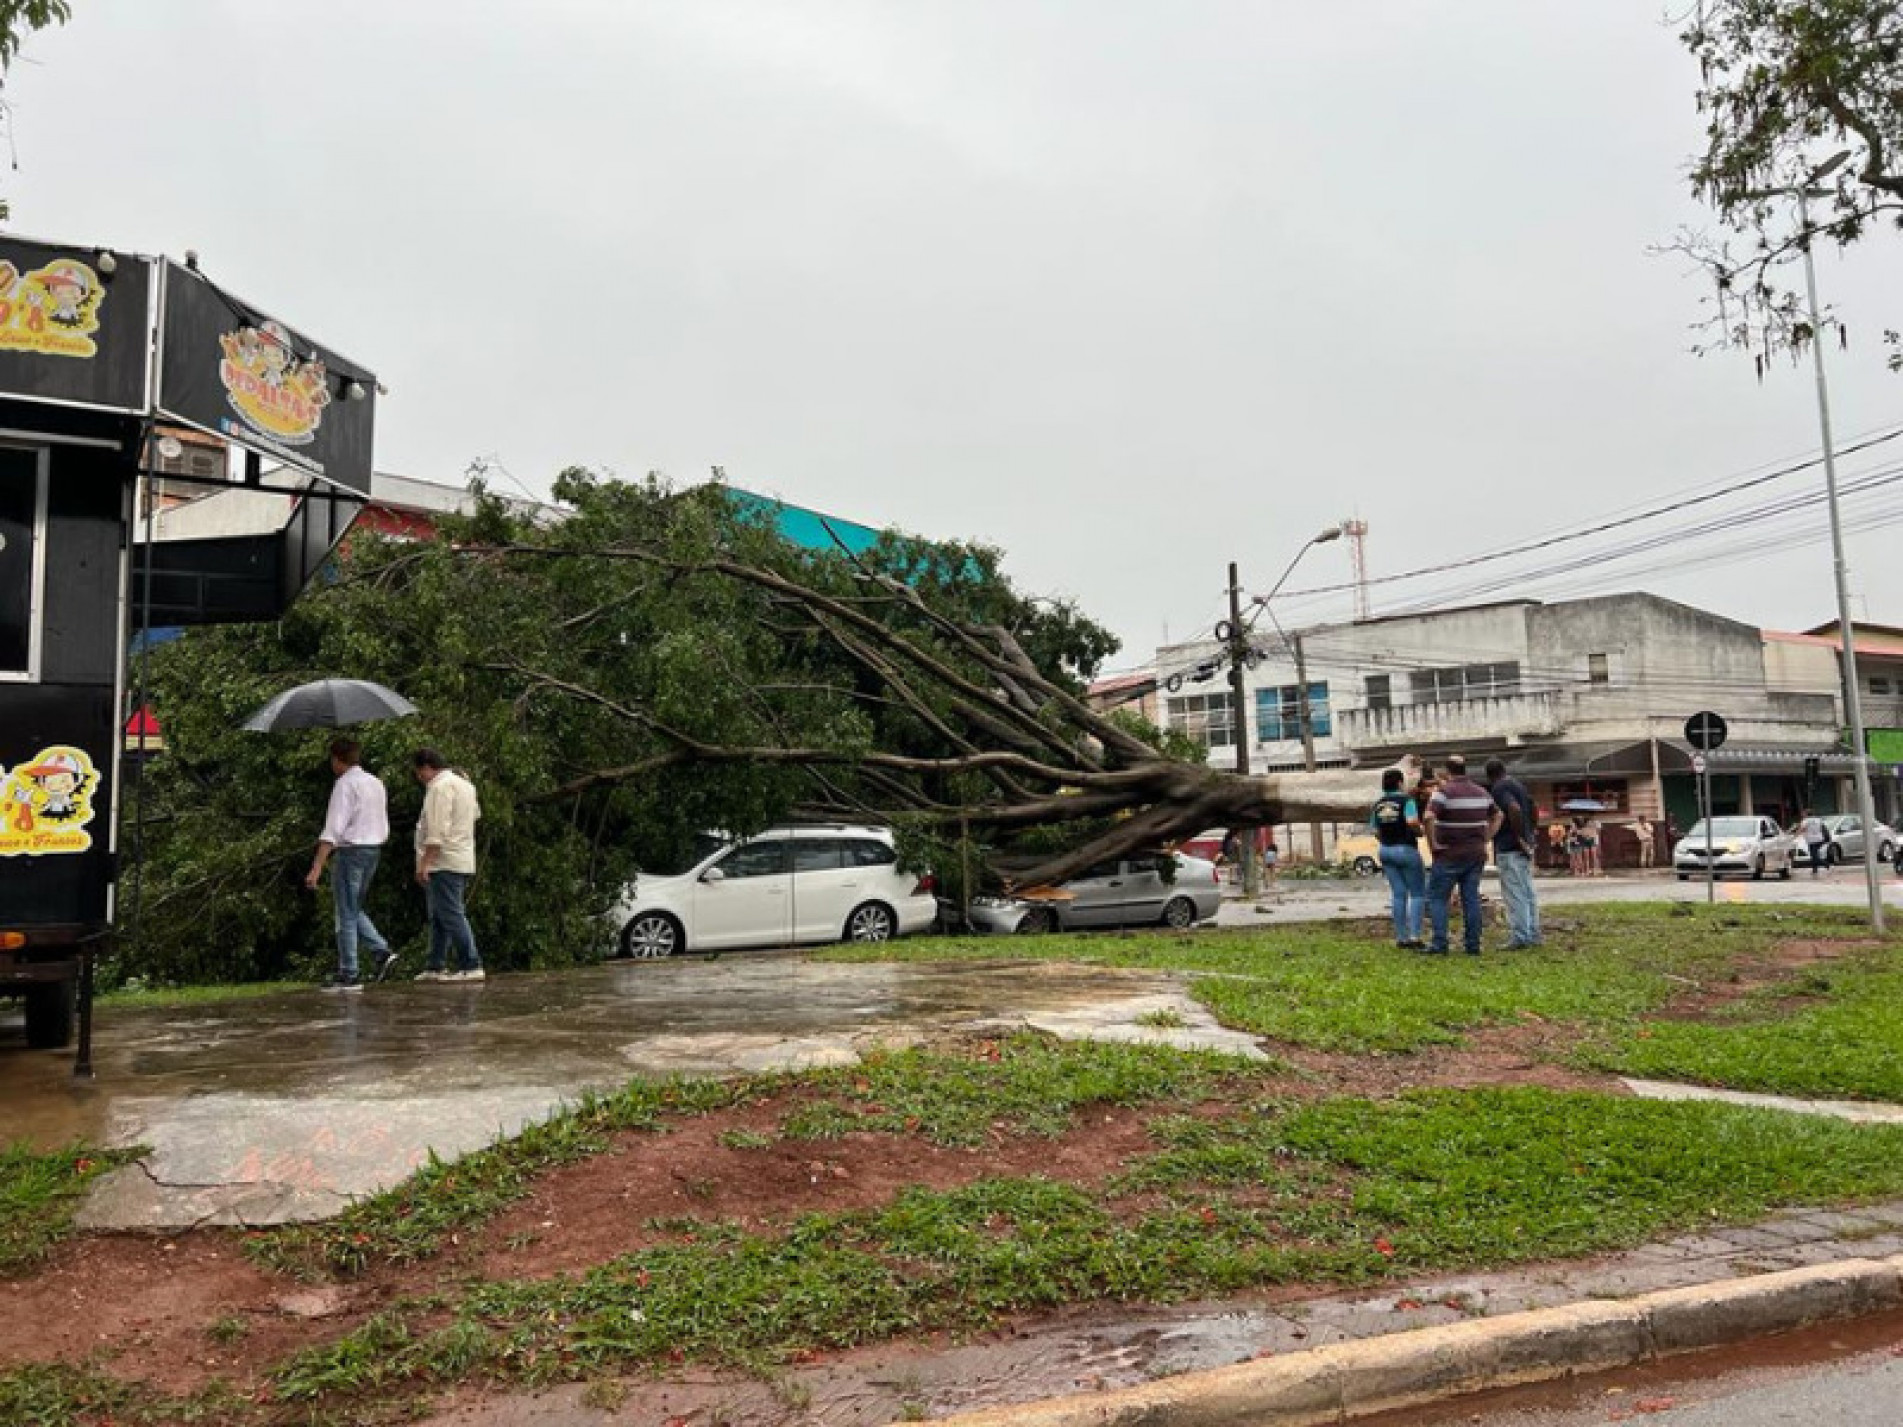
(1604,526)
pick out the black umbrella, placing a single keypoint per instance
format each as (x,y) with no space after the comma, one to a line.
(330,703)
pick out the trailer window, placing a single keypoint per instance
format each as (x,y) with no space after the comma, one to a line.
(21,492)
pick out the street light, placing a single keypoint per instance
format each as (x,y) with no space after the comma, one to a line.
(1853,695)
(1239,718)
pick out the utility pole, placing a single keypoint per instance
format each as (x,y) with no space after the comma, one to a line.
(1239,728)
(1304,717)
(1853,695)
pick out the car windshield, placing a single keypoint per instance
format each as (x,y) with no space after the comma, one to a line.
(1724,827)
(686,859)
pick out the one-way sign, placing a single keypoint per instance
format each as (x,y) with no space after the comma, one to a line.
(1705,730)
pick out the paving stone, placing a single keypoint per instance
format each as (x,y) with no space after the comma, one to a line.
(1845,1222)
(1803,1230)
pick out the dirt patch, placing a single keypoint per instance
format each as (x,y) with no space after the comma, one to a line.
(1779,966)
(145,1306)
(586,1213)
(1530,1051)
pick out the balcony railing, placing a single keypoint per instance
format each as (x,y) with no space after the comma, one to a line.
(1512,717)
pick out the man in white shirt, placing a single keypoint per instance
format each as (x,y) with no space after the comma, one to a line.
(355,829)
(445,861)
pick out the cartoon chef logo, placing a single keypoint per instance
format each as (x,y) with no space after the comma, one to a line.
(53,309)
(48,803)
(276,392)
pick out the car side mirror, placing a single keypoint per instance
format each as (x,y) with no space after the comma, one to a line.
(713,874)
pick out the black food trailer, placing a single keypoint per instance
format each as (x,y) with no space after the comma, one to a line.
(100,352)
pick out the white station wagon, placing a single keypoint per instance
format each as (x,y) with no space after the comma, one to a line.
(790,886)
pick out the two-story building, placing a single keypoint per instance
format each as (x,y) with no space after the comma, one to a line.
(1811,661)
(1584,699)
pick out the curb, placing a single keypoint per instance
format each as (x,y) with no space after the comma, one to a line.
(1406,1369)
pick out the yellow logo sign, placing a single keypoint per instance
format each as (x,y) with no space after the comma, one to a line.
(275,392)
(46,804)
(52,309)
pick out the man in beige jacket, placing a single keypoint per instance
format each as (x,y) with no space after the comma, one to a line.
(445,861)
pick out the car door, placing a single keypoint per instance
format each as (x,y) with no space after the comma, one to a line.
(1144,892)
(824,886)
(1776,846)
(1848,835)
(745,899)
(1095,898)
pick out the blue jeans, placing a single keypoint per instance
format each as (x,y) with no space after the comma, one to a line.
(351,869)
(1407,884)
(1442,879)
(449,923)
(1516,890)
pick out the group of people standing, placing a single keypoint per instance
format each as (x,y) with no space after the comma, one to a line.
(1460,820)
(356,827)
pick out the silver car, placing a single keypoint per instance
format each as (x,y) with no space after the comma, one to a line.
(1846,841)
(1744,843)
(1133,891)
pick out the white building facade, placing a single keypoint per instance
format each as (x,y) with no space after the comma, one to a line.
(1583,699)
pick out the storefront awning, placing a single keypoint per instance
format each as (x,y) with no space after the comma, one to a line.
(1563,762)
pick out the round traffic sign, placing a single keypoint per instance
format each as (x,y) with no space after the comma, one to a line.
(1705,730)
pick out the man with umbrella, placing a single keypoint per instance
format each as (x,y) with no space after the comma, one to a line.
(355,829)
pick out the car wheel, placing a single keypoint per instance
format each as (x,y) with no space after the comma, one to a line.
(1037,921)
(1784,872)
(1684,876)
(1757,869)
(1885,852)
(1834,855)
(650,936)
(871,922)
(1179,913)
(49,1014)
(1366,866)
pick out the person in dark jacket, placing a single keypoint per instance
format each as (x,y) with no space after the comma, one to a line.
(1396,821)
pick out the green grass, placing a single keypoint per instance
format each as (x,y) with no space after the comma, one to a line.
(1848,1043)
(1345,987)
(1023,1085)
(134,997)
(1343,1190)
(38,1194)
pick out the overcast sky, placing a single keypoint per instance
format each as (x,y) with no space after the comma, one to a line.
(1128,289)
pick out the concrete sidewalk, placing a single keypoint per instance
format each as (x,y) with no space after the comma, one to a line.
(1200,1363)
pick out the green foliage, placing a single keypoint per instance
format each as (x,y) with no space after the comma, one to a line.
(564,668)
(1784,86)
(38,1194)
(20,18)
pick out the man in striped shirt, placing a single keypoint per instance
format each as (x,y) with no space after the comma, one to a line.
(1461,820)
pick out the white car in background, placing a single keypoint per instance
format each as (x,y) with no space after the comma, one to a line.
(1846,841)
(1743,843)
(790,886)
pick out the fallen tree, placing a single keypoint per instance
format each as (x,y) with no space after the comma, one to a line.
(1051,761)
(656,664)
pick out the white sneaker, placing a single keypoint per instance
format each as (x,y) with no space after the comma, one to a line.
(474,975)
(432,976)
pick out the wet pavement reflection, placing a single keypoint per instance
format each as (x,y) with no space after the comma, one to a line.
(285,1107)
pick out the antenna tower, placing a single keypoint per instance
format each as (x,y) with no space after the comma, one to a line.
(1356,529)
